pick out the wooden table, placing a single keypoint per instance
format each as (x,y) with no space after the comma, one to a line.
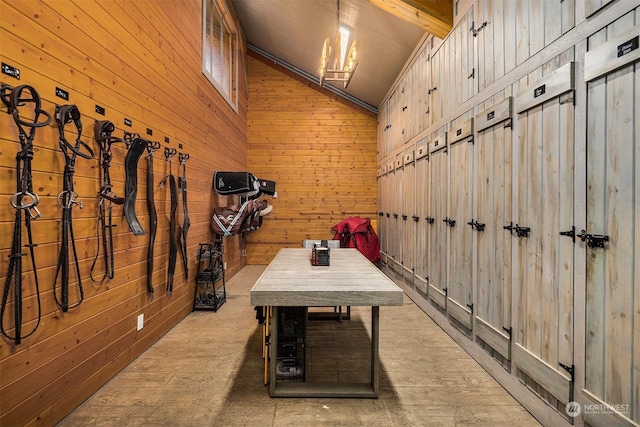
(350,280)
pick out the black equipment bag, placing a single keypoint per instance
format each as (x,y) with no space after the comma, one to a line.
(227,183)
(235,182)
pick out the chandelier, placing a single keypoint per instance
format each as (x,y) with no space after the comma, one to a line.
(343,66)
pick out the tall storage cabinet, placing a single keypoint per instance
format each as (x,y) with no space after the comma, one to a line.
(521,201)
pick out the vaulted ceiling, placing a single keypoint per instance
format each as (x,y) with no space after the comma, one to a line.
(292,33)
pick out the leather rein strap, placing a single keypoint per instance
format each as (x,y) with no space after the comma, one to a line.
(23,200)
(173,242)
(67,199)
(186,222)
(153,216)
(103,130)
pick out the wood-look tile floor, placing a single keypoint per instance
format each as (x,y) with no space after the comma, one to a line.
(208,371)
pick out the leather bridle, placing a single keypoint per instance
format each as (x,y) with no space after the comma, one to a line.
(173,242)
(186,222)
(103,130)
(152,146)
(24,200)
(67,199)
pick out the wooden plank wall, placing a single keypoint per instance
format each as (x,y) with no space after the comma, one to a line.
(139,60)
(321,152)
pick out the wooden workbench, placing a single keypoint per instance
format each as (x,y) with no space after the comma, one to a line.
(350,280)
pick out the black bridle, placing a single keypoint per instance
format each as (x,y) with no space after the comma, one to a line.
(103,130)
(152,146)
(186,223)
(173,241)
(23,200)
(67,199)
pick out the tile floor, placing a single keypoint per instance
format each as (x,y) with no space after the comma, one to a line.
(208,371)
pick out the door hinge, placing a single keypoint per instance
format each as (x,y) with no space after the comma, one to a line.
(571,369)
(594,240)
(475,32)
(570,233)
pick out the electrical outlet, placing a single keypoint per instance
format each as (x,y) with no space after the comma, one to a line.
(140,321)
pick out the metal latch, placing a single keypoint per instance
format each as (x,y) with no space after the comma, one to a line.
(477,225)
(430,219)
(416,218)
(395,215)
(450,222)
(594,240)
(509,227)
(522,231)
(404,217)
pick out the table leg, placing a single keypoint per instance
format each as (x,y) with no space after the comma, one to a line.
(375,335)
(274,351)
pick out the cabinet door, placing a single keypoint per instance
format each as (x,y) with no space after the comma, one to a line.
(463,65)
(439,192)
(383,130)
(493,207)
(544,311)
(613,210)
(408,213)
(438,82)
(381,220)
(423,191)
(420,96)
(395,242)
(460,234)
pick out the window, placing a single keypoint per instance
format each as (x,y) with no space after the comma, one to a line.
(220,50)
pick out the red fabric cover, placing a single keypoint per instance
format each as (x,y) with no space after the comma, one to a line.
(356,232)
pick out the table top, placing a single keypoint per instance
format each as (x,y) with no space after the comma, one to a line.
(351,279)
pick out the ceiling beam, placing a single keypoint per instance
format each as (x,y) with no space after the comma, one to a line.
(433,16)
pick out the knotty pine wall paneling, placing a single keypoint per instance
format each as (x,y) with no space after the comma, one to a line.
(140,61)
(321,152)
